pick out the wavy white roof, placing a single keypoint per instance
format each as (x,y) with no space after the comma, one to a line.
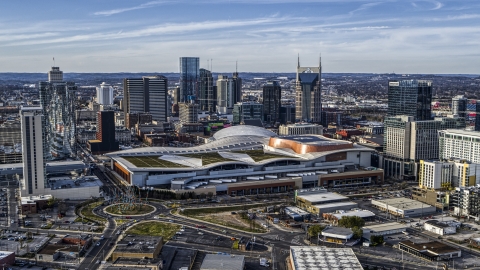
(243,130)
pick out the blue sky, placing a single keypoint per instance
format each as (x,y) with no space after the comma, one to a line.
(418,36)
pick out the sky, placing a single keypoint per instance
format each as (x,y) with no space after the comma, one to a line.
(359,36)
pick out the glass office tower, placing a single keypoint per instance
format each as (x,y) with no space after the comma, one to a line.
(411,98)
(189,77)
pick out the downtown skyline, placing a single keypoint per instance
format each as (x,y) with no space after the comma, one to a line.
(263,36)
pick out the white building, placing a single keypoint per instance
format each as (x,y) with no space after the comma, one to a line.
(383,229)
(33,182)
(404,207)
(315,257)
(441,228)
(300,129)
(459,144)
(438,174)
(105,94)
(408,141)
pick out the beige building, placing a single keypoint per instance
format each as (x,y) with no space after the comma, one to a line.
(138,247)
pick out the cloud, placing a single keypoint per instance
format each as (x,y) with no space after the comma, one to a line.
(121,10)
(455,18)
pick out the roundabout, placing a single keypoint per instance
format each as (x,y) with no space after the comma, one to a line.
(126,209)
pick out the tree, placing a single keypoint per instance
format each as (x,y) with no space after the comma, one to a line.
(351,221)
(376,240)
(314,230)
(357,233)
(50,202)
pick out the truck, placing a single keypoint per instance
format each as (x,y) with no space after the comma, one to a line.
(264,262)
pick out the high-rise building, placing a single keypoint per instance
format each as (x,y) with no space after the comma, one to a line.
(247,111)
(229,92)
(57,99)
(189,77)
(408,141)
(459,105)
(105,94)
(188,112)
(287,114)
(448,174)
(272,95)
(206,96)
(146,95)
(33,151)
(308,90)
(477,116)
(105,138)
(411,98)
(459,144)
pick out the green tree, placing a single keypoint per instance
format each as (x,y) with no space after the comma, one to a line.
(51,202)
(376,240)
(314,230)
(351,221)
(357,232)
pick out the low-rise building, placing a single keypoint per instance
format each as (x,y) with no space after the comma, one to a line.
(404,207)
(338,235)
(336,216)
(319,201)
(223,262)
(383,229)
(315,257)
(130,263)
(441,228)
(430,251)
(138,247)
(7,258)
(300,129)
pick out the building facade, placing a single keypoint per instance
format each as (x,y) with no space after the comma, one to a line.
(459,105)
(32,119)
(272,95)
(206,98)
(229,92)
(459,144)
(146,95)
(105,138)
(246,111)
(308,90)
(300,129)
(408,141)
(57,99)
(188,112)
(189,77)
(411,98)
(105,94)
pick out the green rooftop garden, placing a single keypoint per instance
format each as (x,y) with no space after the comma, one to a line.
(152,161)
(207,158)
(259,155)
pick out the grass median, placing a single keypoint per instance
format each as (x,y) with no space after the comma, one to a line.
(154,228)
(86,211)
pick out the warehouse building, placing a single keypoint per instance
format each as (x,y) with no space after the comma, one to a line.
(319,201)
(383,229)
(404,207)
(336,216)
(315,257)
(223,262)
(337,235)
(441,228)
(430,251)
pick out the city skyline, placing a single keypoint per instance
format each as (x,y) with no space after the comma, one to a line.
(355,36)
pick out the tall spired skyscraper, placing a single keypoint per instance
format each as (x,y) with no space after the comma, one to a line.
(189,77)
(57,98)
(308,93)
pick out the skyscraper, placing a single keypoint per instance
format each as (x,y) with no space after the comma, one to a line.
(105,138)
(105,94)
(33,151)
(308,90)
(459,105)
(206,96)
(189,77)
(229,92)
(57,98)
(146,94)
(246,111)
(272,95)
(411,98)
(408,141)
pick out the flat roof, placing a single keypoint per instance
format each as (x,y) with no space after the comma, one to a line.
(403,203)
(339,204)
(385,227)
(433,247)
(223,262)
(4,254)
(322,197)
(32,199)
(337,230)
(361,213)
(62,182)
(138,244)
(323,258)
